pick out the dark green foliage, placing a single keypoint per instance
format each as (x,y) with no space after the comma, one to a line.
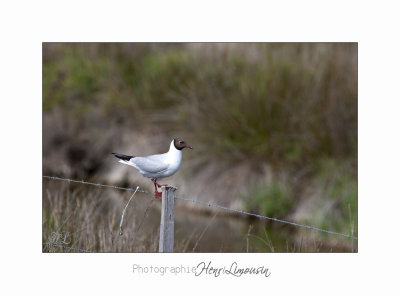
(293,104)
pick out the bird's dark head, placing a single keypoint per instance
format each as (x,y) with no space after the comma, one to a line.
(180,144)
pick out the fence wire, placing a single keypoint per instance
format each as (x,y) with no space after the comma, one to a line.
(207,205)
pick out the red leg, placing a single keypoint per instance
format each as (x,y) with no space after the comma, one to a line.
(157,194)
(156,183)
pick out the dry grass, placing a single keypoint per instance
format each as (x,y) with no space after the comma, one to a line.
(92,218)
(88,219)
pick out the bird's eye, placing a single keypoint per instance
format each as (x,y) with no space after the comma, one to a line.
(181,142)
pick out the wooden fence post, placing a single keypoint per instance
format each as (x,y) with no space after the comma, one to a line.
(167,219)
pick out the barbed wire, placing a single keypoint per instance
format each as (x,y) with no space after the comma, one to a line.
(265,217)
(97,184)
(208,205)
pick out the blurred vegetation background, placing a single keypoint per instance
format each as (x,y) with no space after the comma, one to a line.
(273,125)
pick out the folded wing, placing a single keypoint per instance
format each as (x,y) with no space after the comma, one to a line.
(149,164)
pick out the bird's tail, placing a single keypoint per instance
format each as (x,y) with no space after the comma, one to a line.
(123,157)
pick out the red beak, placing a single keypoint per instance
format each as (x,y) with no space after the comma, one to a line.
(188,146)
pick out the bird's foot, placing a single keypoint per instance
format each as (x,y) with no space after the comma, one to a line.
(157,184)
(157,194)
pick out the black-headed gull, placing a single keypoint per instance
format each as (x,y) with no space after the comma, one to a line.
(158,166)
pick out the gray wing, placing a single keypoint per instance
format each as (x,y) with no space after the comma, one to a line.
(151,164)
